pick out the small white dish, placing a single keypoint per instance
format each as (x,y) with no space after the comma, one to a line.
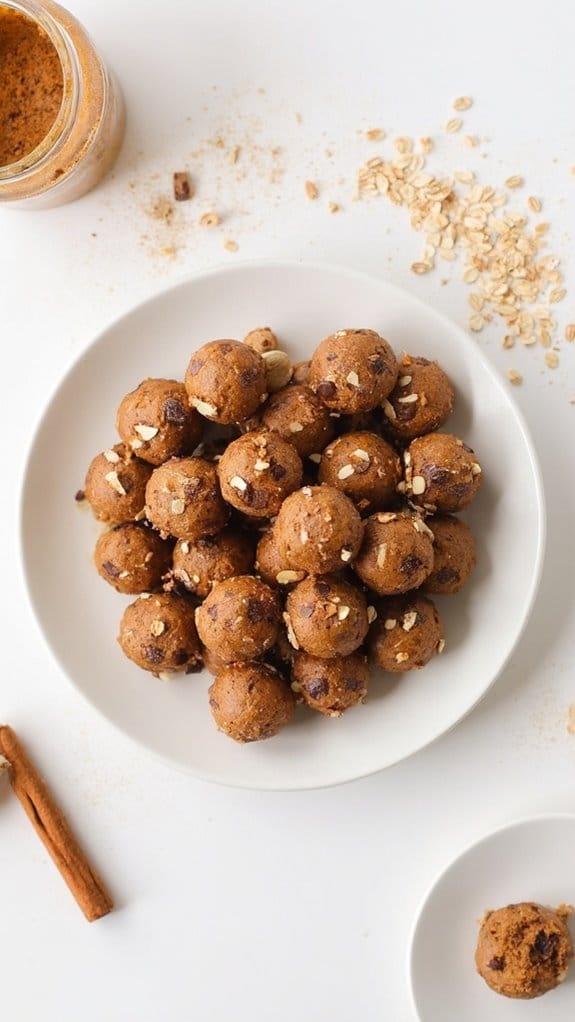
(79,614)
(531,860)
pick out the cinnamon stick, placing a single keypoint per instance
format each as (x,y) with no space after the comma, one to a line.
(53,830)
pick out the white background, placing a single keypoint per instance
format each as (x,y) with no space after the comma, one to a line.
(233,903)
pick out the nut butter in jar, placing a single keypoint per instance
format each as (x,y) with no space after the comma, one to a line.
(61,111)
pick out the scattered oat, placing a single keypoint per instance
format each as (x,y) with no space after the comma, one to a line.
(535,204)
(333,207)
(462,103)
(182,186)
(375,135)
(508,341)
(311,190)
(476,323)
(571,719)
(514,377)
(234,154)
(453,125)
(230,245)
(570,332)
(557,295)
(426,144)
(515,181)
(419,267)
(211,219)
(403,144)
(552,359)
(471,140)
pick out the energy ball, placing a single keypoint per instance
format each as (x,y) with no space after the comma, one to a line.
(364,467)
(524,950)
(353,371)
(406,633)
(156,421)
(239,619)
(158,633)
(183,499)
(262,339)
(326,617)
(318,530)
(226,381)
(330,686)
(453,555)
(270,564)
(200,565)
(421,401)
(132,557)
(441,472)
(396,554)
(250,702)
(297,415)
(257,472)
(115,485)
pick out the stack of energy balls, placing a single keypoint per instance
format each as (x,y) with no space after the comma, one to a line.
(284,524)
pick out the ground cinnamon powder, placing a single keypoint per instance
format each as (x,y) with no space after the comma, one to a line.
(31,85)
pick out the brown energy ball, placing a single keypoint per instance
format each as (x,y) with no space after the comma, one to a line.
(239,619)
(421,401)
(441,472)
(257,472)
(158,633)
(396,554)
(318,529)
(299,417)
(183,499)
(406,633)
(262,339)
(326,617)
(524,950)
(301,372)
(200,565)
(270,564)
(353,370)
(330,686)
(115,485)
(250,702)
(226,381)
(132,557)
(156,421)
(453,555)
(364,467)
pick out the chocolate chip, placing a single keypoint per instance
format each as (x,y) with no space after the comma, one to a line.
(467,448)
(207,542)
(410,564)
(248,376)
(446,575)
(181,656)
(255,611)
(79,495)
(496,963)
(192,487)
(212,612)
(326,389)
(182,190)
(405,412)
(277,472)
(322,588)
(317,688)
(126,483)
(214,703)
(458,490)
(195,365)
(153,654)
(353,684)
(174,412)
(544,947)
(111,569)
(332,357)
(194,667)
(437,475)
(377,364)
(225,348)
(307,610)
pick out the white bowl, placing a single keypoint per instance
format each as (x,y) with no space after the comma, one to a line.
(79,614)
(531,860)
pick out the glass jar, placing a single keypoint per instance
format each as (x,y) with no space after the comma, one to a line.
(85,138)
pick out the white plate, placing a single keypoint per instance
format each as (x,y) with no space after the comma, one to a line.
(79,614)
(531,860)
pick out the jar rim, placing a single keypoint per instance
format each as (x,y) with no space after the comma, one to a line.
(43,152)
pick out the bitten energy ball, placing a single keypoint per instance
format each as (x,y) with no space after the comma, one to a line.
(270,564)
(524,950)
(421,401)
(183,499)
(396,554)
(257,472)
(364,467)
(353,370)
(326,617)
(262,339)
(453,555)
(239,619)
(115,485)
(132,558)
(226,381)
(318,530)
(298,416)
(156,421)
(406,633)
(158,633)
(200,565)
(330,686)
(441,472)
(250,702)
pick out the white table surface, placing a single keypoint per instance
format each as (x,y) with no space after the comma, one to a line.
(238,904)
